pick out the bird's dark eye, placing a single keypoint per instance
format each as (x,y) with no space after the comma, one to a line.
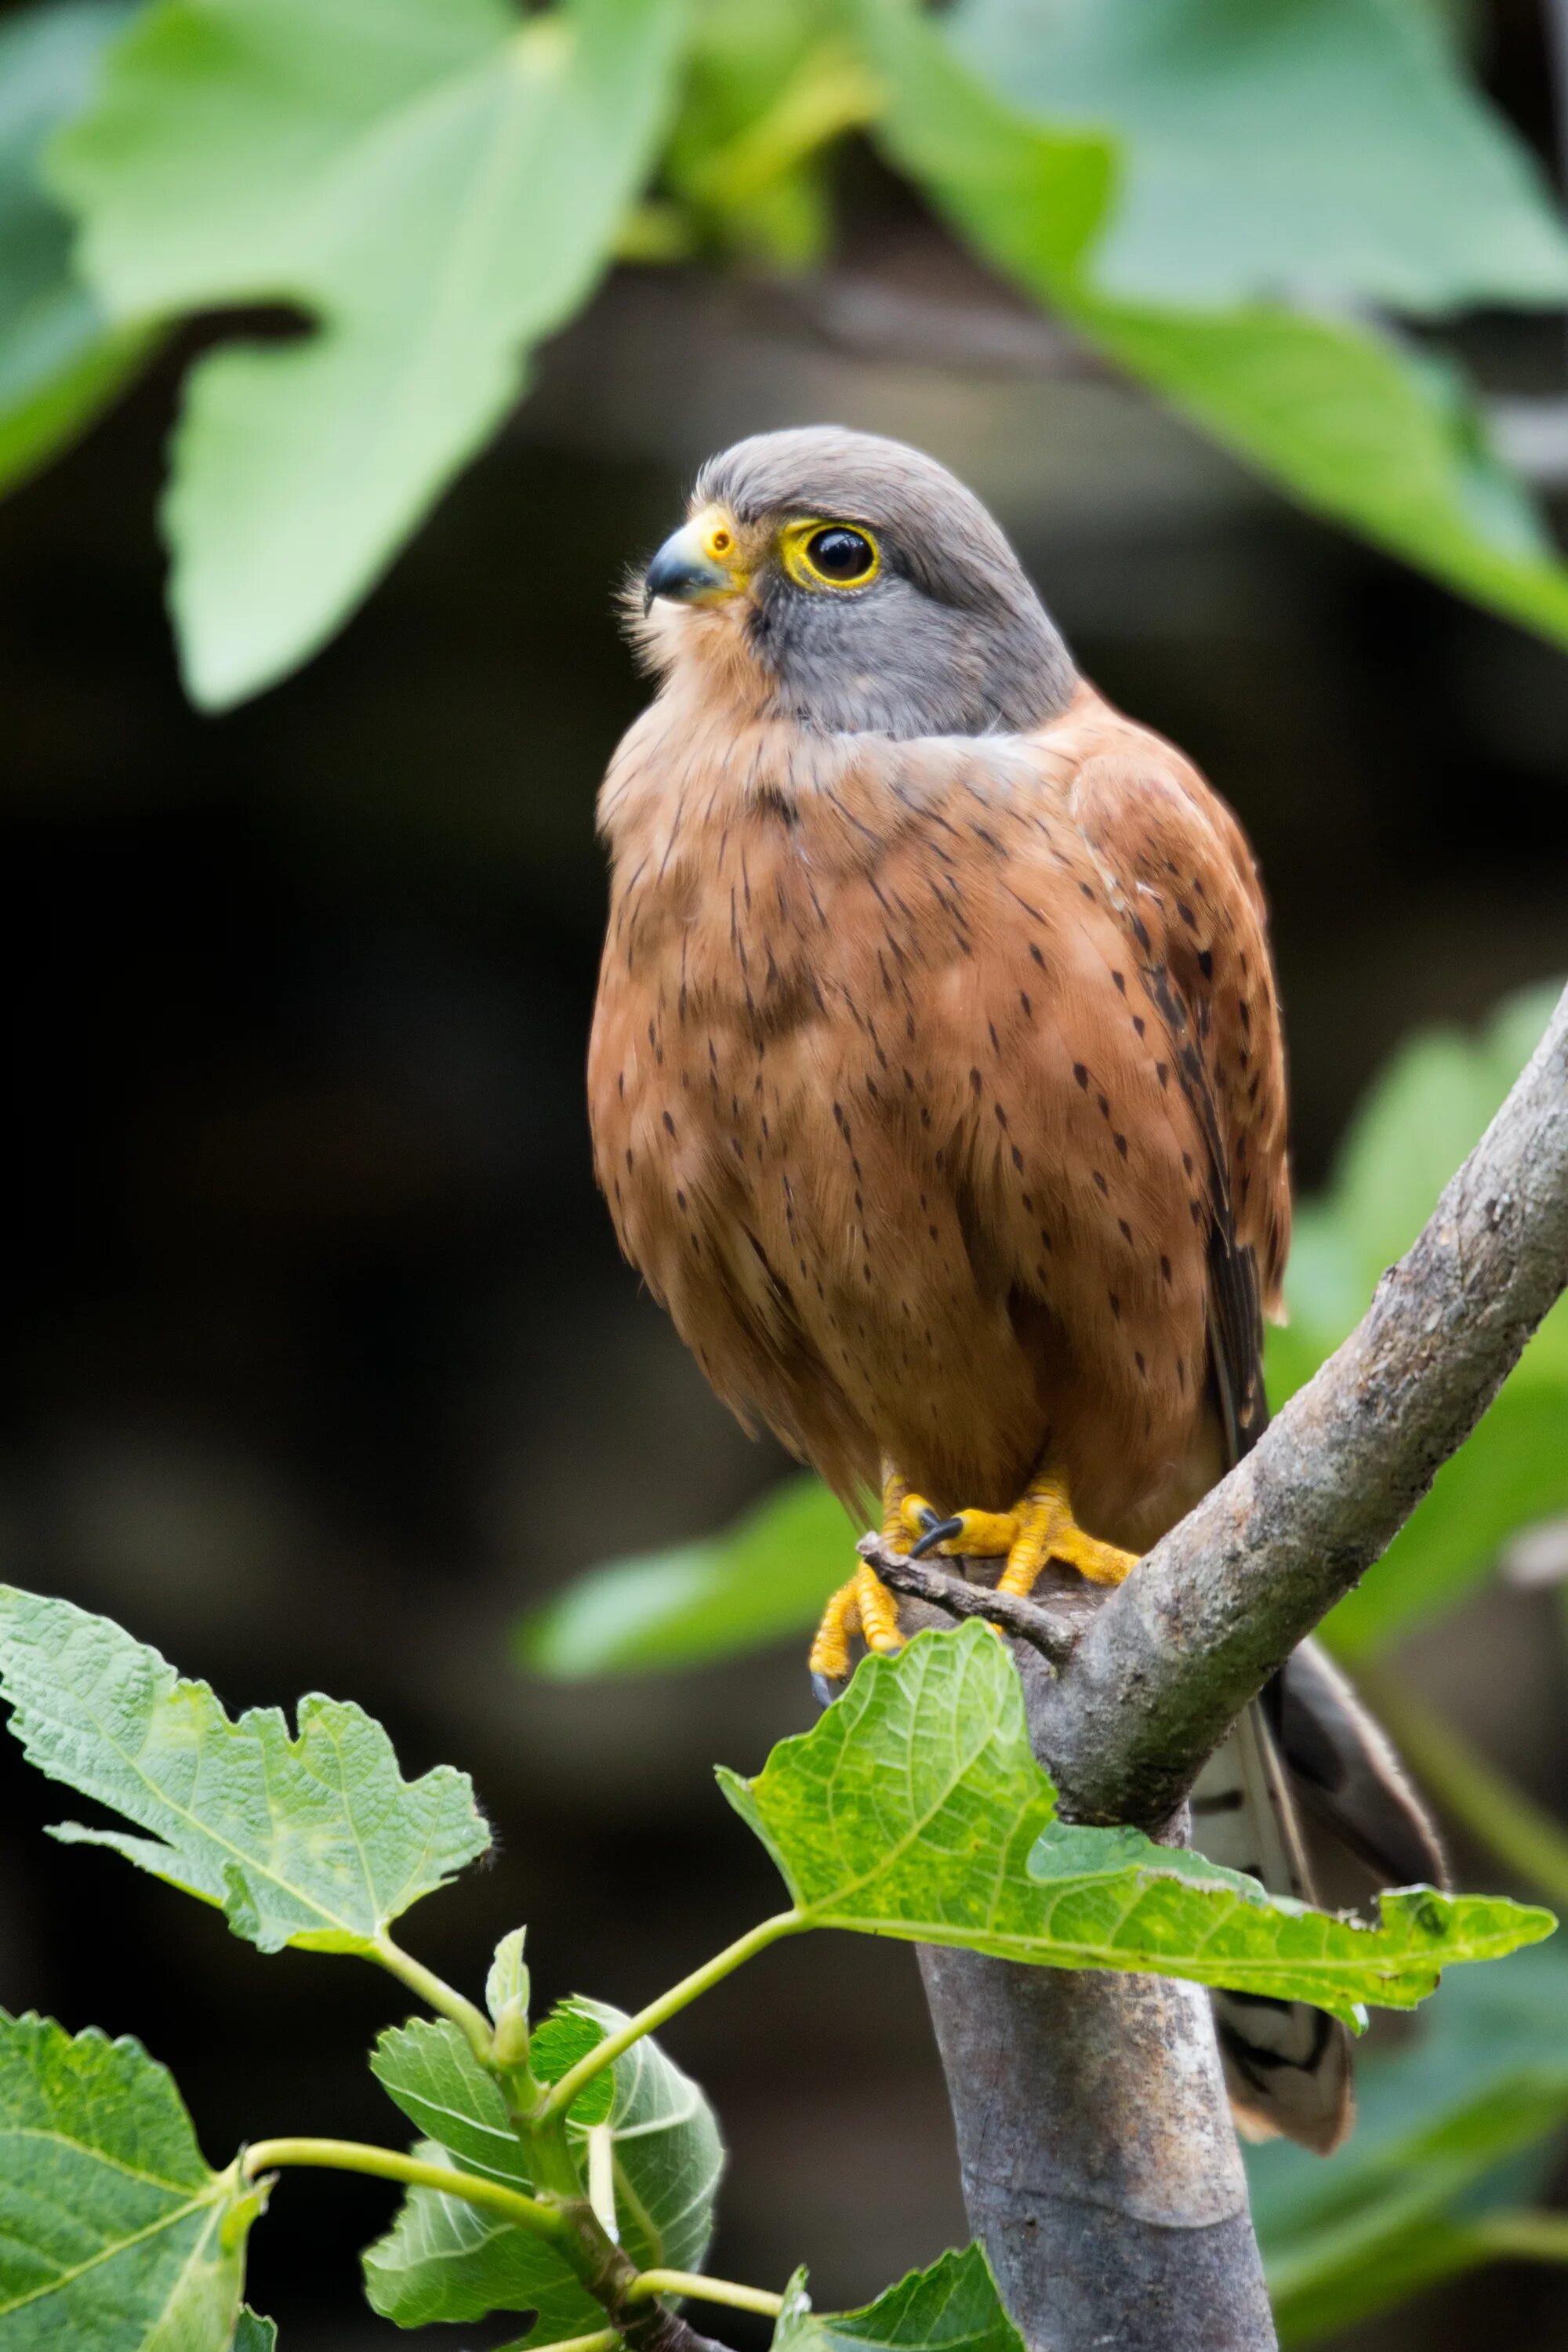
(841,555)
(820,554)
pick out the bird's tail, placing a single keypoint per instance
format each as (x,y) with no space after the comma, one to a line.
(1306,1782)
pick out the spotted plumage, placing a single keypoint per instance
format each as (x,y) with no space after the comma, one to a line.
(936,1078)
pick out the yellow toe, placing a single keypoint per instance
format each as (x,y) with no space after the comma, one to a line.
(878,1611)
(840,1623)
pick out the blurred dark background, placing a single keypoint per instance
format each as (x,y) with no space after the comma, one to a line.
(323,1363)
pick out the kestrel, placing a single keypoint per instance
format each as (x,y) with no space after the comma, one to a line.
(936,1081)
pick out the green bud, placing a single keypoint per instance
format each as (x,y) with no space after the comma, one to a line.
(505,1987)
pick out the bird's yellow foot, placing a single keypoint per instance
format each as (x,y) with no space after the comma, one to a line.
(1040,1527)
(863,1606)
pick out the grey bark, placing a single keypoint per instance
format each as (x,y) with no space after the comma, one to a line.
(1100,2167)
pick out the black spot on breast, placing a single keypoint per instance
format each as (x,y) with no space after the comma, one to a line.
(1081,1075)
(668,1124)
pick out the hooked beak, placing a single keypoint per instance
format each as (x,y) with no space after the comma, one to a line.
(686,569)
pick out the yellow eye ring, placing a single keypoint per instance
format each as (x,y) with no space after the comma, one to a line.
(818,554)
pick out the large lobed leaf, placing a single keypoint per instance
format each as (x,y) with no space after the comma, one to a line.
(953,2306)
(61,358)
(1338,415)
(915,1808)
(1319,143)
(1465,2118)
(316,1841)
(445,2259)
(434,182)
(115,2234)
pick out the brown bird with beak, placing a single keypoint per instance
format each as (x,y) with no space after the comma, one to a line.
(936,1080)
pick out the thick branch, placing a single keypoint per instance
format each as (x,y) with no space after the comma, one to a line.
(1167,1663)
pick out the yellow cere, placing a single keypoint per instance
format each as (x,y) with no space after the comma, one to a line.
(719,539)
(798,551)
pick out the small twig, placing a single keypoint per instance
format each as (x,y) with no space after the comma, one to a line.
(945,1590)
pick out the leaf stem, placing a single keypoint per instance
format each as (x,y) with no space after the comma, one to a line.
(387,2164)
(710,2290)
(605,2340)
(443,1997)
(1520,1833)
(646,2020)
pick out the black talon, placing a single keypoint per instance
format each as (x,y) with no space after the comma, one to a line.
(826,1688)
(938,1531)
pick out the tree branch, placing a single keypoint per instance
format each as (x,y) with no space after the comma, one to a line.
(1167,1663)
(1098,2164)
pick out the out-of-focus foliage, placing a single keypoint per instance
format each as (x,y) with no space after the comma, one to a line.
(769,1574)
(61,359)
(434,183)
(1209,190)
(1313,144)
(1404,1144)
(764,1578)
(1456,2129)
(1344,418)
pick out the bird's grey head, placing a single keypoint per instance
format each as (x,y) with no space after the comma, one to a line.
(866,591)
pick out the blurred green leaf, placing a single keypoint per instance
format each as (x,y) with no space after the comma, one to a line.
(255,2334)
(436,184)
(766,1577)
(1329,143)
(915,1808)
(317,1841)
(445,2260)
(1461,2121)
(953,2306)
(769,87)
(60,358)
(114,2231)
(1417,1123)
(1335,413)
